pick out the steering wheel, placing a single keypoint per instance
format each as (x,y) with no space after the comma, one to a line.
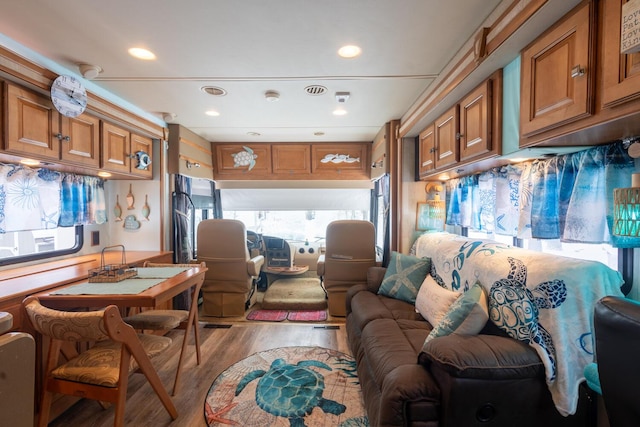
(254,240)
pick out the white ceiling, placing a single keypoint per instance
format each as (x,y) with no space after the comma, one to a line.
(250,46)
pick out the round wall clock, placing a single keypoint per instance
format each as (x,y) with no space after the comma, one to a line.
(69,96)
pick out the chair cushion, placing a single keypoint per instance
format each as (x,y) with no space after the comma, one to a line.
(404,276)
(101,363)
(157,319)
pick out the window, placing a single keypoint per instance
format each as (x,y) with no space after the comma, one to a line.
(604,253)
(298,226)
(24,246)
(297,214)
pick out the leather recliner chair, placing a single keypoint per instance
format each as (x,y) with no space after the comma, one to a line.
(350,251)
(617,336)
(229,285)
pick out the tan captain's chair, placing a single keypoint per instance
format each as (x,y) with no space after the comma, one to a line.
(350,251)
(229,283)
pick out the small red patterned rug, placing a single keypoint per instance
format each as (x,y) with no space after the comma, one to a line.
(268,315)
(307,316)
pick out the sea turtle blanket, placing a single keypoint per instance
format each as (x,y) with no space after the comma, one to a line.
(544,300)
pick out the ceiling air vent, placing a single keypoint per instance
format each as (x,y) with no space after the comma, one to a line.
(315,90)
(214,90)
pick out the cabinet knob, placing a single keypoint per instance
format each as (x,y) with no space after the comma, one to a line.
(60,137)
(577,71)
(432,150)
(459,135)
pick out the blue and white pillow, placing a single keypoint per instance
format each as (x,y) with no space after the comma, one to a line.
(404,276)
(466,316)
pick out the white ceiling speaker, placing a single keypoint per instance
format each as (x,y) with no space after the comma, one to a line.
(89,71)
(271,95)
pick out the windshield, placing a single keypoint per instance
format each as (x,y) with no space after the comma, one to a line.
(300,226)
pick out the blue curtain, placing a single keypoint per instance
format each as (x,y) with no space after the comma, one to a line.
(36,199)
(566,197)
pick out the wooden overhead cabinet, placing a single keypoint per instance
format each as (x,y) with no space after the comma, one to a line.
(119,148)
(621,72)
(341,161)
(291,159)
(476,122)
(558,73)
(237,161)
(36,129)
(33,125)
(81,143)
(446,134)
(427,150)
(467,132)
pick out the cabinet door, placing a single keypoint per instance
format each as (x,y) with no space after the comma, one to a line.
(81,140)
(243,160)
(446,138)
(621,73)
(475,122)
(115,148)
(558,74)
(33,125)
(427,149)
(341,161)
(144,144)
(291,159)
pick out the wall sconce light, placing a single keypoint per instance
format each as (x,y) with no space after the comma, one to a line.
(436,211)
(626,201)
(192,164)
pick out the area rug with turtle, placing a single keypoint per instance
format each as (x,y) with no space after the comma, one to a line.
(288,386)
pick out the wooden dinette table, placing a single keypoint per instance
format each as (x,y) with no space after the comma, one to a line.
(140,291)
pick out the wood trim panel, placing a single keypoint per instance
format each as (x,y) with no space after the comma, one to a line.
(503,28)
(22,71)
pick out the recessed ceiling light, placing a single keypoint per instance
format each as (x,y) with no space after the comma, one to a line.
(349,51)
(142,53)
(213,90)
(212,113)
(104,174)
(339,112)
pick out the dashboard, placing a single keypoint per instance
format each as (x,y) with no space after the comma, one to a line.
(279,252)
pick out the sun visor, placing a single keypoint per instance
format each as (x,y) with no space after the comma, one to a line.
(295,199)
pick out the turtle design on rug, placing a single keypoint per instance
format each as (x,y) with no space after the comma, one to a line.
(291,391)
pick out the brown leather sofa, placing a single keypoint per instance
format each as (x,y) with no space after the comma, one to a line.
(228,288)
(488,379)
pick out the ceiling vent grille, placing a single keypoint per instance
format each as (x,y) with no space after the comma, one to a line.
(315,90)
(214,90)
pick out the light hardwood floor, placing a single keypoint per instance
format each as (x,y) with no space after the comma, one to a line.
(221,347)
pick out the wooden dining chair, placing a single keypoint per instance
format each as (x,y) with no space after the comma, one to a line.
(100,373)
(166,320)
